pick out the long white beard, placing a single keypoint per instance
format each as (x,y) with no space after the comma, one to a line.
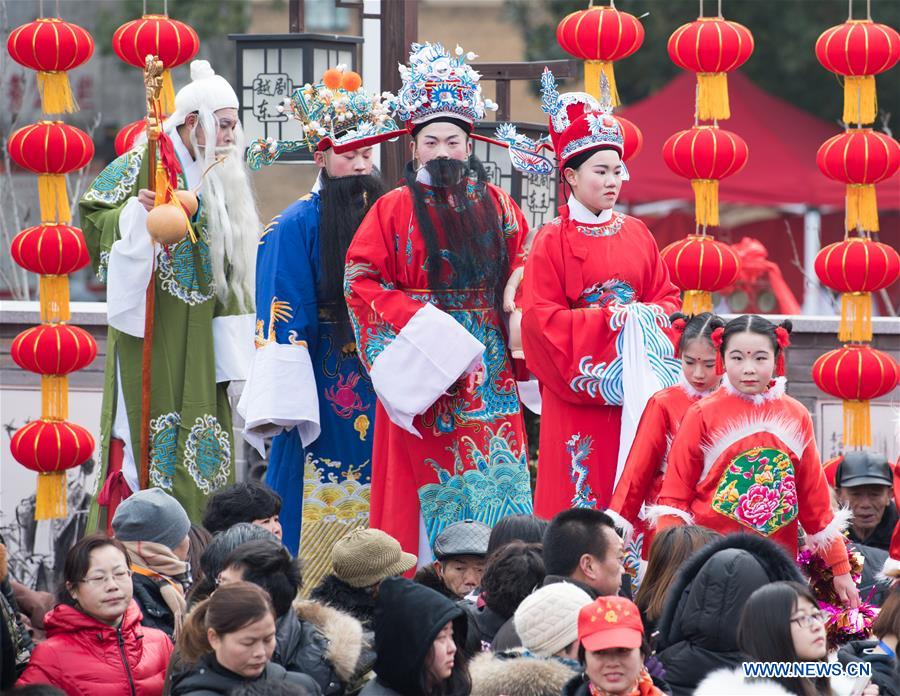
(233,222)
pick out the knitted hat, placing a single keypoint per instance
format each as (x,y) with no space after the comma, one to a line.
(365,557)
(151,515)
(547,619)
(205,91)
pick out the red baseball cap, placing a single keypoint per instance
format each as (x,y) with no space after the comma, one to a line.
(610,622)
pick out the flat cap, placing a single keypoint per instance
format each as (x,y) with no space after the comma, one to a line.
(465,538)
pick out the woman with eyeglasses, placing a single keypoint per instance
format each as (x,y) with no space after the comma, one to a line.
(95,641)
(781,622)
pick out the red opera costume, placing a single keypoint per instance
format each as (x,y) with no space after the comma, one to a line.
(743,463)
(646,464)
(595,327)
(449,436)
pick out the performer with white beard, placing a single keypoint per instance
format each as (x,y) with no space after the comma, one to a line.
(204,312)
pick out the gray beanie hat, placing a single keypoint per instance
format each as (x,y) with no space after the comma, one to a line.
(151,515)
(547,619)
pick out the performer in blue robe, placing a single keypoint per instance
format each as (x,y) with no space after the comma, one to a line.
(307,388)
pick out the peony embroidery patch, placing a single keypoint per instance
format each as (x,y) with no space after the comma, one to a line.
(758,490)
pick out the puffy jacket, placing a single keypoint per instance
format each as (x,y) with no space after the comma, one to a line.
(698,627)
(520,674)
(85,657)
(209,678)
(885,669)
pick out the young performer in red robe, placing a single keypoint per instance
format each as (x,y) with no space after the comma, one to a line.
(646,464)
(596,299)
(892,564)
(745,458)
(423,282)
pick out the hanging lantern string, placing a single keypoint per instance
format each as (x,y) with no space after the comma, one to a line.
(41,8)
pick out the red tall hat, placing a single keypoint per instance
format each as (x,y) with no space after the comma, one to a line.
(579,123)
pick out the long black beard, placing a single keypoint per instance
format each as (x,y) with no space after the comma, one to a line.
(469,251)
(344,203)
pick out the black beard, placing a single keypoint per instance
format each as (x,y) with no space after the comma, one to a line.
(344,203)
(469,227)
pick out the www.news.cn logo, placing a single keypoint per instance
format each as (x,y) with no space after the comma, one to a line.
(808,670)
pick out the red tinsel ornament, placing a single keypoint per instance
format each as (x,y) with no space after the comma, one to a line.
(783,338)
(717,336)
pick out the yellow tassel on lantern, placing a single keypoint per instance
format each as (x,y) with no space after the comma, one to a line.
(712,97)
(167,94)
(856,317)
(857,424)
(706,197)
(696,302)
(859,99)
(54,397)
(54,296)
(50,502)
(54,199)
(862,207)
(592,71)
(56,93)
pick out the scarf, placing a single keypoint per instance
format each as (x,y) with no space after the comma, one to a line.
(643,687)
(160,563)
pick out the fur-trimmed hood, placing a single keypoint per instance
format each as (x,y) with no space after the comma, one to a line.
(343,633)
(515,673)
(356,601)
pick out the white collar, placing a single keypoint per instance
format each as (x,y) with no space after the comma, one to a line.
(189,165)
(423,176)
(692,391)
(316,187)
(776,391)
(579,213)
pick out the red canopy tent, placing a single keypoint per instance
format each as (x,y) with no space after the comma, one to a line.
(783,141)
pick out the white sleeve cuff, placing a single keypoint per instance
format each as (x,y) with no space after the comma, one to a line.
(129,271)
(429,354)
(280,394)
(833,530)
(530,395)
(233,346)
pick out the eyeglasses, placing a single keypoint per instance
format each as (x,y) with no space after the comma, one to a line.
(120,577)
(807,620)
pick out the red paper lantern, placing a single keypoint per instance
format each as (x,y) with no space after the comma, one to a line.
(856,374)
(49,447)
(711,47)
(51,46)
(705,154)
(599,36)
(700,266)
(53,349)
(857,267)
(51,149)
(859,50)
(50,249)
(860,157)
(634,139)
(128,134)
(171,41)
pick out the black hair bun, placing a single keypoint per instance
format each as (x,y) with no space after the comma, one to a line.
(675,316)
(787,325)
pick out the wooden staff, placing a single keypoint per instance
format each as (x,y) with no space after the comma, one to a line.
(153,70)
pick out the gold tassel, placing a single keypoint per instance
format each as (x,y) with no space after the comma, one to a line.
(696,302)
(859,99)
(857,424)
(592,71)
(856,317)
(712,97)
(56,93)
(54,296)
(706,195)
(54,199)
(161,185)
(52,491)
(54,397)
(862,207)
(167,94)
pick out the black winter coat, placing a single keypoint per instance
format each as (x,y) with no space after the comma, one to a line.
(885,669)
(698,627)
(356,601)
(209,678)
(154,608)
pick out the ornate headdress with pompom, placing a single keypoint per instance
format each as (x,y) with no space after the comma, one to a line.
(335,113)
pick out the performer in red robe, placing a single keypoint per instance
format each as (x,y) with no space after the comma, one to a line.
(423,282)
(596,300)
(745,458)
(892,564)
(646,464)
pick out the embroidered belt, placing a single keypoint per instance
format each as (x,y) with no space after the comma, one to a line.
(455,299)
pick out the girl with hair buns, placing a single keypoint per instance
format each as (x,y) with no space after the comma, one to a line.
(745,458)
(646,464)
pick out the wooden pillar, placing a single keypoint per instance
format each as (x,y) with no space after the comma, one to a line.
(296,20)
(399,28)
